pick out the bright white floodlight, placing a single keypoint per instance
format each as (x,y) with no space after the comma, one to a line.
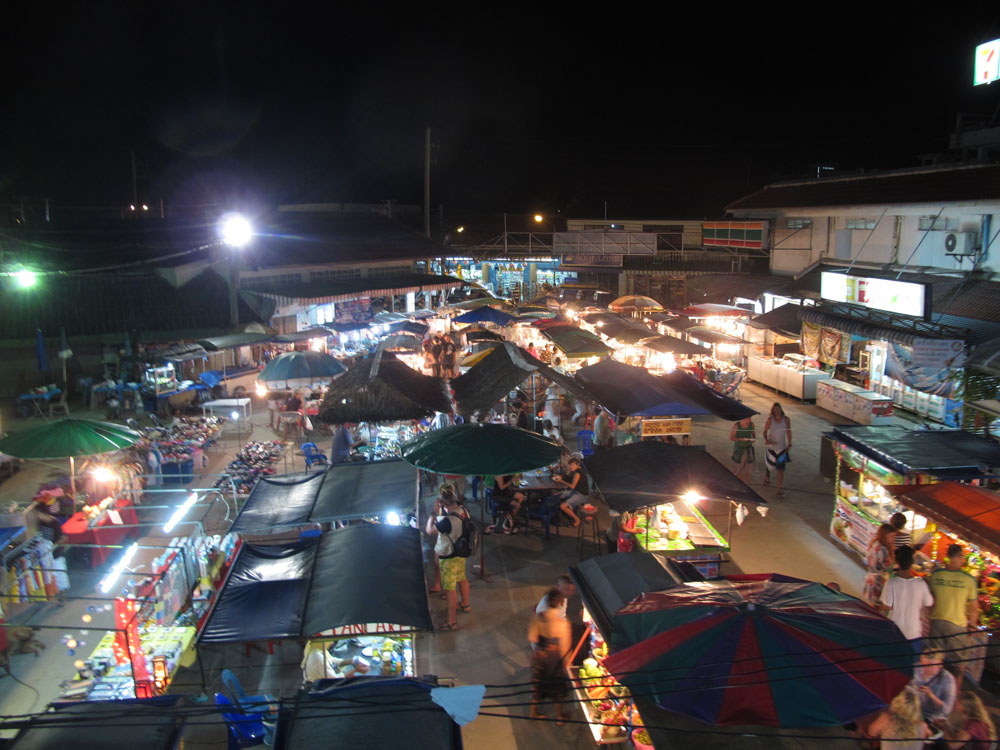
(235,230)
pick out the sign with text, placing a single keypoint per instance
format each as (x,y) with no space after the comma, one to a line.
(851,527)
(589,260)
(656,427)
(888,295)
(940,353)
(987,63)
(749,234)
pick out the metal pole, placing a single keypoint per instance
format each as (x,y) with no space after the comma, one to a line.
(234,282)
(427,183)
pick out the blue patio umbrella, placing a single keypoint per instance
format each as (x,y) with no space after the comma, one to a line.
(299,369)
(487,315)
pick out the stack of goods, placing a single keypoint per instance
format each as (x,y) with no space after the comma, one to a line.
(609,704)
(257,458)
(666,529)
(380,655)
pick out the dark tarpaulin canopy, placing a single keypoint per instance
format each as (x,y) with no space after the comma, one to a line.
(948,454)
(362,489)
(471,336)
(316,332)
(279,501)
(179,353)
(487,314)
(649,473)
(498,373)
(334,709)
(675,345)
(234,340)
(624,389)
(575,342)
(627,332)
(382,388)
(409,326)
(150,723)
(704,333)
(608,582)
(678,323)
(703,395)
(784,320)
(357,575)
(403,341)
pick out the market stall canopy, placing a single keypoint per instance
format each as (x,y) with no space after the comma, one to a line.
(487,315)
(234,340)
(69,438)
(409,326)
(480,449)
(650,473)
(709,310)
(704,333)
(337,709)
(179,353)
(608,582)
(381,388)
(720,405)
(300,369)
(635,302)
(290,591)
(972,511)
(675,345)
(627,332)
(316,332)
(678,324)
(482,335)
(623,389)
(947,454)
(126,724)
(403,342)
(475,304)
(764,650)
(279,501)
(602,318)
(499,371)
(784,320)
(539,312)
(576,343)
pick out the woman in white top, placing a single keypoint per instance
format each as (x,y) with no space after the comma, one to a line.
(777,442)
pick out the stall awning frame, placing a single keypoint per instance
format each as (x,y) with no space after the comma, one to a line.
(971,512)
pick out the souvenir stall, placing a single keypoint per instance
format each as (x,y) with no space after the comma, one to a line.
(660,491)
(871,462)
(32,576)
(163,393)
(181,446)
(356,633)
(256,459)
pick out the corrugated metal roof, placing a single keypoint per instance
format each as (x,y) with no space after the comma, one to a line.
(954,184)
(723,287)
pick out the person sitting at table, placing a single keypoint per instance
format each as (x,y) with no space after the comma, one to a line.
(344,443)
(936,688)
(507,503)
(577,492)
(552,432)
(975,729)
(294,403)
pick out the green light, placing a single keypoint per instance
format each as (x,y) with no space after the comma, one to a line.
(26,279)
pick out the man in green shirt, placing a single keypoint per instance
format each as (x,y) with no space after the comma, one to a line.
(956,608)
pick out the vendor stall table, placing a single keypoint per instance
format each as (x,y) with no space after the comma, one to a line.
(853,402)
(106,532)
(125,392)
(35,400)
(788,375)
(227,406)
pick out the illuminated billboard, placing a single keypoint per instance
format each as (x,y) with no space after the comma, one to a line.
(888,295)
(987,63)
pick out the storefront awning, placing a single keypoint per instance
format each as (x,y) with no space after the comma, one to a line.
(971,512)
(608,582)
(643,474)
(857,327)
(948,454)
(784,320)
(357,575)
(360,489)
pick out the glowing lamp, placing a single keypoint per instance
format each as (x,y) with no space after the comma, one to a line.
(235,230)
(110,578)
(181,511)
(103,474)
(26,279)
(261,390)
(234,415)
(392,518)
(692,496)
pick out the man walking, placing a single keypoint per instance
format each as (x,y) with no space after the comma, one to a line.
(906,595)
(446,524)
(955,607)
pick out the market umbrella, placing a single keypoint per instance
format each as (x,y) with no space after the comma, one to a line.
(478,449)
(487,315)
(297,369)
(765,650)
(69,438)
(635,302)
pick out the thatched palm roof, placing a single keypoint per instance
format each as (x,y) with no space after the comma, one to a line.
(381,388)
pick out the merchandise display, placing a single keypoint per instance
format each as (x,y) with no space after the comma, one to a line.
(790,374)
(679,530)
(160,380)
(384,655)
(257,458)
(605,702)
(388,439)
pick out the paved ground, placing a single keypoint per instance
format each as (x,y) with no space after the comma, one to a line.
(490,646)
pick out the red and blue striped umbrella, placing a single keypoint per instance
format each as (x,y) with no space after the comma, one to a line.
(759,650)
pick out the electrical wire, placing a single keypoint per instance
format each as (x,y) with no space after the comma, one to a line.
(17,679)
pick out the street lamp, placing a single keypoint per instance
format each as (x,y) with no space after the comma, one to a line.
(236,231)
(26,279)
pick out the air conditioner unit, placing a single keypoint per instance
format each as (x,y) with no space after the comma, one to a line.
(960,243)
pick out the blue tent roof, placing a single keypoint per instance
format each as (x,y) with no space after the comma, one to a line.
(487,314)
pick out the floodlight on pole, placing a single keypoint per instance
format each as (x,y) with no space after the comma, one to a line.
(235,230)
(26,279)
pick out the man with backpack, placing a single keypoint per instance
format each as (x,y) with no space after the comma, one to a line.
(455,533)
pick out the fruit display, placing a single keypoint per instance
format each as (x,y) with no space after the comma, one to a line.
(608,705)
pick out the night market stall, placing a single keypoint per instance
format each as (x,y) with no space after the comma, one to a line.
(364,616)
(658,488)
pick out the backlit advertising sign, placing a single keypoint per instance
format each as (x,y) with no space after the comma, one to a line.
(888,295)
(987,63)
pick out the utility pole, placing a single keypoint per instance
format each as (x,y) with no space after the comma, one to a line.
(427,183)
(135,187)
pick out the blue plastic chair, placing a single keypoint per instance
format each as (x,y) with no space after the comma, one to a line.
(313,456)
(585,442)
(261,704)
(243,730)
(545,512)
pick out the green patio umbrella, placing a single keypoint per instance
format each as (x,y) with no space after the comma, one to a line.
(69,438)
(480,449)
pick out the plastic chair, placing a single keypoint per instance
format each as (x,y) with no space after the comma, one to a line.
(243,730)
(545,512)
(312,455)
(59,405)
(585,442)
(262,703)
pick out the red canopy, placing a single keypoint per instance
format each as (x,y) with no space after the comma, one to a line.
(972,512)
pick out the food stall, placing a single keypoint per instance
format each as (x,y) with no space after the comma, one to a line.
(679,530)
(791,374)
(853,402)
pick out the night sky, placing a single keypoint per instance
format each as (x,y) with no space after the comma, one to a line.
(657,115)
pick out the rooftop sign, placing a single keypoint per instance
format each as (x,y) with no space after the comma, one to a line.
(987,63)
(888,295)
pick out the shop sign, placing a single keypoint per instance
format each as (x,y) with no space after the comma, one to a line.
(748,234)
(937,378)
(851,527)
(987,69)
(353,311)
(601,260)
(888,295)
(939,353)
(372,628)
(656,427)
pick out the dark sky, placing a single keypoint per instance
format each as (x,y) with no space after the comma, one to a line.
(657,114)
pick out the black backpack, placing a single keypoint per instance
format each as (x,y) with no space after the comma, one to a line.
(468,541)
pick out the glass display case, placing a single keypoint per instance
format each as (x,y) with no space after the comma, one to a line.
(159,380)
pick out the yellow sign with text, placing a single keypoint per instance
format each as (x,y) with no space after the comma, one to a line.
(655,427)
